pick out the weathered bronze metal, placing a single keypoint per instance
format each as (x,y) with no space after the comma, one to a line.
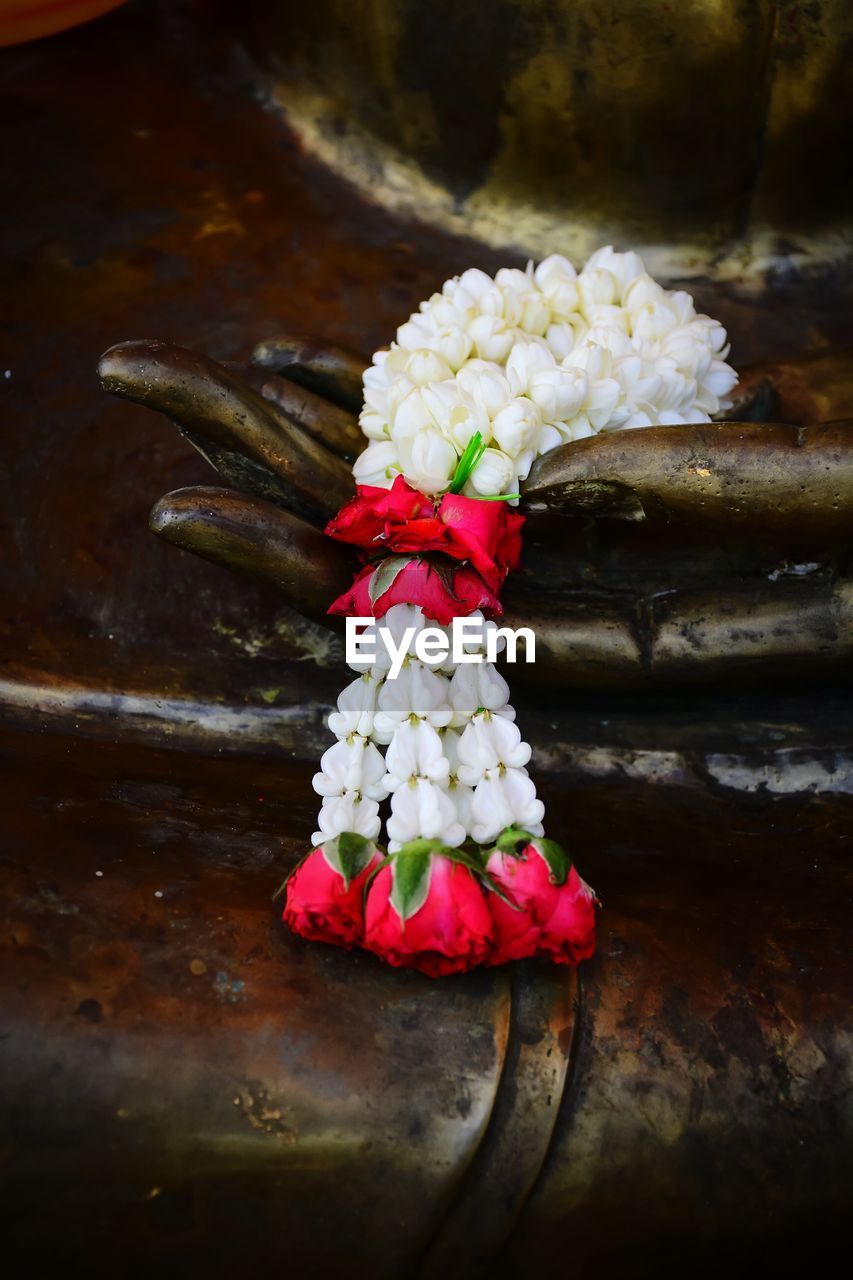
(185,1089)
(239,432)
(181,1077)
(330,370)
(708,133)
(739,477)
(255,538)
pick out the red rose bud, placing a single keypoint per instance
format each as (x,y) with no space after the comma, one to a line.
(444,593)
(486,533)
(426,911)
(325,894)
(400,518)
(553,911)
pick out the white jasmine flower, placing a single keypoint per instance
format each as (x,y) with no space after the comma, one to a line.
(517,424)
(596,287)
(638,419)
(558,395)
(454,346)
(555,271)
(374,425)
(515,280)
(377,465)
(505,798)
(624,267)
(653,320)
(719,380)
(425,366)
(416,751)
(642,291)
(352,764)
(411,415)
(427,459)
(607,337)
(525,359)
(356,708)
(534,314)
(500,303)
(578,429)
(417,691)
(475,282)
(686,353)
(557,279)
(476,685)
(481,343)
(485,385)
(682,304)
(422,809)
(492,338)
(486,743)
(419,331)
(605,404)
(562,338)
(711,332)
(348,812)
(441,399)
(494,473)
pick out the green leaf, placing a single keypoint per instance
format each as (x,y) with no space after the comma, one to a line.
(385,574)
(466,859)
(476,867)
(559,862)
(497,497)
(513,840)
(474,451)
(410,878)
(386,862)
(348,854)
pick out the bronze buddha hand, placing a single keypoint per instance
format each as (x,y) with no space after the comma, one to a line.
(669,554)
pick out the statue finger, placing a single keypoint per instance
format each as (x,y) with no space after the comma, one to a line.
(740,476)
(247,439)
(327,422)
(258,540)
(332,371)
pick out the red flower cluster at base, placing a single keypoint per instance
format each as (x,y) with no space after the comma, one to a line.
(441,910)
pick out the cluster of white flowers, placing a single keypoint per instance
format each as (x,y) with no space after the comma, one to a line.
(532,359)
(455,762)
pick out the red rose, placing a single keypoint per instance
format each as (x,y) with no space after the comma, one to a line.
(486,533)
(325,894)
(403,519)
(426,912)
(443,594)
(400,518)
(554,910)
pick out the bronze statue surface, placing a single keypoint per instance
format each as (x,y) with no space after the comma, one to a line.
(186,1086)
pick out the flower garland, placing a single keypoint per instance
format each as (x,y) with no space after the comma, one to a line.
(489,374)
